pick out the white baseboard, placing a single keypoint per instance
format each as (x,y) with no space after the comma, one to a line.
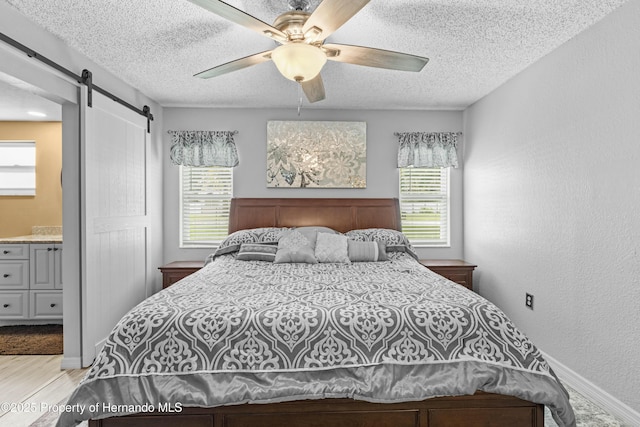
(71,363)
(594,393)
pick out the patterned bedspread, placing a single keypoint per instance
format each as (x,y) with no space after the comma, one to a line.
(253,331)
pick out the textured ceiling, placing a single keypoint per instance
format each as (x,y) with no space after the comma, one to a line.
(474,46)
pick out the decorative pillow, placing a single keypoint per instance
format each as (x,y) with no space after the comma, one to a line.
(311,233)
(293,246)
(253,235)
(394,240)
(257,252)
(366,251)
(332,248)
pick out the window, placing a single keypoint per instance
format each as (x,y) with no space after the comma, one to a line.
(424,205)
(205,201)
(17,168)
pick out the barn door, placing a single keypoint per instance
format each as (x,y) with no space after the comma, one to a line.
(115,261)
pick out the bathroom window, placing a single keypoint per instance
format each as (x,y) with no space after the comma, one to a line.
(17,168)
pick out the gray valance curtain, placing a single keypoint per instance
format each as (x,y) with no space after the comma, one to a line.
(203,148)
(427,149)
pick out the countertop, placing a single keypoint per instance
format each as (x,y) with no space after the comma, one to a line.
(33,238)
(39,234)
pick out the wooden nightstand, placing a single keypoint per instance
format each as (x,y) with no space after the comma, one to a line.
(456,270)
(177,270)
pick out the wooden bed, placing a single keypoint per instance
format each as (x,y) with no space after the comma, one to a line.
(480,409)
(340,214)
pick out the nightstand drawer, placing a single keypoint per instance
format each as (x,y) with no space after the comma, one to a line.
(45,304)
(178,270)
(14,305)
(461,278)
(458,271)
(14,275)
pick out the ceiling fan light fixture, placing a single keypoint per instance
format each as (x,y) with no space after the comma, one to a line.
(299,61)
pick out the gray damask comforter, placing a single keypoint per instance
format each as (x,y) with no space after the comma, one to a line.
(254,331)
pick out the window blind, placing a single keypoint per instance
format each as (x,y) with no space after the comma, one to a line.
(424,205)
(17,168)
(205,201)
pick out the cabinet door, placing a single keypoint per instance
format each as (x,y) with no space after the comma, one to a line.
(42,270)
(57,266)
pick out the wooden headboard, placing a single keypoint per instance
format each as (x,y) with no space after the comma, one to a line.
(340,214)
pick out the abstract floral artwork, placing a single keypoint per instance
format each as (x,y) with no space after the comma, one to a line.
(316,154)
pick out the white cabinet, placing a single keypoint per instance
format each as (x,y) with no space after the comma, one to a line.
(14,281)
(45,304)
(14,305)
(14,274)
(14,251)
(30,281)
(45,266)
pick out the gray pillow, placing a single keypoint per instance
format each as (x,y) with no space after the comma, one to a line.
(257,252)
(253,235)
(311,233)
(332,248)
(293,246)
(394,240)
(366,251)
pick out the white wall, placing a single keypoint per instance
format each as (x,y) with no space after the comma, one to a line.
(250,176)
(552,202)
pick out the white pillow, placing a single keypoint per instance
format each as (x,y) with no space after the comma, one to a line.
(293,246)
(332,248)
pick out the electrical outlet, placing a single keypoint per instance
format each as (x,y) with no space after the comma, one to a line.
(529,301)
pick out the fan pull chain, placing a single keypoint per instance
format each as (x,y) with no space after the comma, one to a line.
(299,98)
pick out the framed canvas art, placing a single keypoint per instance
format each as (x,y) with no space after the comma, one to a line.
(316,154)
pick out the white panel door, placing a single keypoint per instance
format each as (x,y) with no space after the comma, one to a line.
(115,224)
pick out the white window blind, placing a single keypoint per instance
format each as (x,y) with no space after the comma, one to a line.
(17,168)
(424,205)
(205,201)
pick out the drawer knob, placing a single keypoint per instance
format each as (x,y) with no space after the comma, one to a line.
(52,305)
(49,249)
(5,275)
(5,305)
(6,252)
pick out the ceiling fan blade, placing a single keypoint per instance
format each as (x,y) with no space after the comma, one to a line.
(329,16)
(236,65)
(372,57)
(314,89)
(242,18)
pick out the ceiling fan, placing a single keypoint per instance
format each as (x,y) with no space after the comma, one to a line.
(302,53)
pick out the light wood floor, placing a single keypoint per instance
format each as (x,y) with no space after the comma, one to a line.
(31,385)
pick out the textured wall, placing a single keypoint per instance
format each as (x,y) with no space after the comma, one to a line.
(552,201)
(250,176)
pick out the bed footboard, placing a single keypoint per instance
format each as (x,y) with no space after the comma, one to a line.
(479,410)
